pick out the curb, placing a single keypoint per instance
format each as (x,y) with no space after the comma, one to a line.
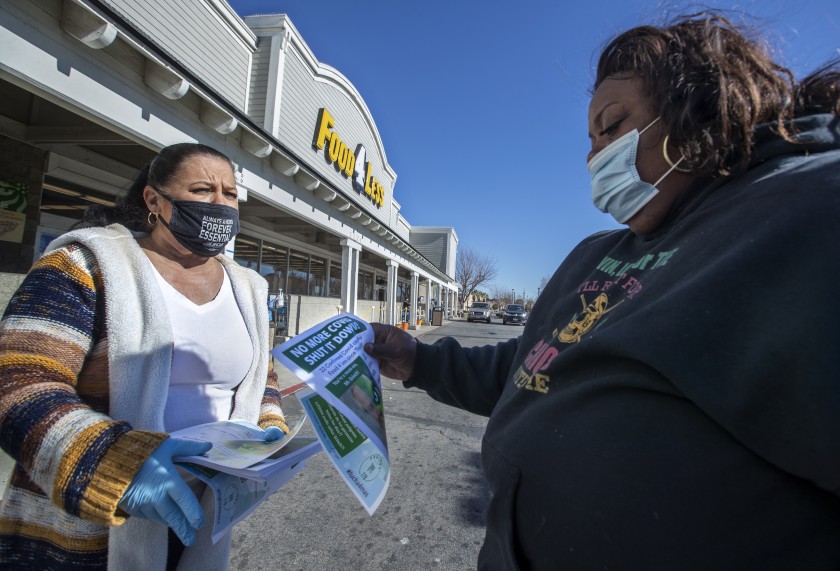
(292,390)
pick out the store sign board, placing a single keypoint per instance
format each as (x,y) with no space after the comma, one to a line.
(354,166)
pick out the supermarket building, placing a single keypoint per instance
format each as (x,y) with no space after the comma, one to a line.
(91,89)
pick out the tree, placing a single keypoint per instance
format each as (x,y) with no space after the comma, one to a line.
(501,294)
(472,270)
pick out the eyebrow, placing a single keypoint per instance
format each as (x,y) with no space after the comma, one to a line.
(195,183)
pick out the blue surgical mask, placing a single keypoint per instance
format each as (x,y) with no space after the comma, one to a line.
(616,185)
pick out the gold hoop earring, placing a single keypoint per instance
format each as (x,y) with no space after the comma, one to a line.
(668,160)
(149,219)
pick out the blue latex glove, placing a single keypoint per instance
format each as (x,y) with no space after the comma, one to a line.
(160,494)
(273,433)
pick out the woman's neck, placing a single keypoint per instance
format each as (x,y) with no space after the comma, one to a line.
(163,250)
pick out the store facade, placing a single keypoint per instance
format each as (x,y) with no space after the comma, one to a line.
(92,88)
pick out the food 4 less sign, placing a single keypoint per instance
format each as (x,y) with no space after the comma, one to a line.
(353,165)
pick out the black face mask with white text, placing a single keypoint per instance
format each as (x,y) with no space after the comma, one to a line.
(203,228)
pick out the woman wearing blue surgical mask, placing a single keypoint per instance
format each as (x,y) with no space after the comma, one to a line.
(124,331)
(673,400)
(633,177)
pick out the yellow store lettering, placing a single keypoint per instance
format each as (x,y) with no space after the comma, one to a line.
(344,160)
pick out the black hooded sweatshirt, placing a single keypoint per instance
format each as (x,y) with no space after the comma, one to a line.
(674,400)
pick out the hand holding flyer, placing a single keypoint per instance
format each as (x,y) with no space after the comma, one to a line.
(243,470)
(239,448)
(236,444)
(346,405)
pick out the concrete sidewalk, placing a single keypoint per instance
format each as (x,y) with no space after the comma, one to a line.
(290,384)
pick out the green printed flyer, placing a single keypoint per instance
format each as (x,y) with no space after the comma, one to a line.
(344,402)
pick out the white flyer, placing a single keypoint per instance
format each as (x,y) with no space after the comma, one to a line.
(239,448)
(237,497)
(346,406)
(241,469)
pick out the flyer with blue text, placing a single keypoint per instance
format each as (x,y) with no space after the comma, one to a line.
(344,402)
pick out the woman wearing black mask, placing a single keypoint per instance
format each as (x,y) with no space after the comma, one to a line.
(127,329)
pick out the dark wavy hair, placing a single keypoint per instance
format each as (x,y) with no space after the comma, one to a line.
(130,210)
(713,85)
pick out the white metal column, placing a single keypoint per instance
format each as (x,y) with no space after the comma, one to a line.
(429,293)
(447,301)
(415,291)
(391,313)
(350,274)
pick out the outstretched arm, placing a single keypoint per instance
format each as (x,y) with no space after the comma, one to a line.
(394,349)
(469,378)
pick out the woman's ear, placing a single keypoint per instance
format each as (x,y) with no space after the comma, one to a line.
(152,199)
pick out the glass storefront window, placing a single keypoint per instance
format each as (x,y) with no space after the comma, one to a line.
(298,272)
(379,288)
(365,284)
(273,266)
(62,205)
(335,279)
(402,290)
(317,276)
(286,270)
(246,251)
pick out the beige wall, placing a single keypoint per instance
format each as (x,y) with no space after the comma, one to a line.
(304,311)
(371,311)
(8,286)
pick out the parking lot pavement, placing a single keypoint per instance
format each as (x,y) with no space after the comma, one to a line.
(289,383)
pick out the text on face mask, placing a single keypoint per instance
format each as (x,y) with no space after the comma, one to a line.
(216,229)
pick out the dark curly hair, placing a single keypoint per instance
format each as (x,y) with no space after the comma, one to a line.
(713,85)
(130,210)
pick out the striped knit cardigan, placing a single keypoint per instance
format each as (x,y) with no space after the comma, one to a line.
(85,357)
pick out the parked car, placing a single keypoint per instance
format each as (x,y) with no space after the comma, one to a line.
(480,311)
(514,313)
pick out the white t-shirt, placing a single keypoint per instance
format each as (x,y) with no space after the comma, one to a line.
(212,354)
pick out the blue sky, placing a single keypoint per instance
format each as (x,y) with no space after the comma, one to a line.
(481,105)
